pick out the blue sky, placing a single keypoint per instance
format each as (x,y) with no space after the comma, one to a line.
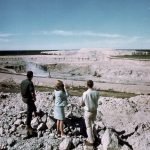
(74,24)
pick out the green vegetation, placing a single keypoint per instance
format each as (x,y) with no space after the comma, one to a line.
(143,54)
(78,91)
(11,87)
(44,89)
(116,94)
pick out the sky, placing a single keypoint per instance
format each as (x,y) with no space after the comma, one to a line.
(74,24)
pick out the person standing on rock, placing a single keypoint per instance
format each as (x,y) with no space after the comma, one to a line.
(29,97)
(60,96)
(90,103)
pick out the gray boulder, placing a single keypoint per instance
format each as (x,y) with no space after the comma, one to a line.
(75,141)
(110,140)
(12,129)
(42,126)
(50,123)
(1,131)
(88,147)
(125,148)
(35,122)
(18,122)
(65,144)
(44,118)
(11,141)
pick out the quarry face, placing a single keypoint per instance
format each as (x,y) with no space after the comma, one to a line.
(122,123)
(100,65)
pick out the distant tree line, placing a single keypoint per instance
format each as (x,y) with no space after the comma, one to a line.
(137,54)
(141,53)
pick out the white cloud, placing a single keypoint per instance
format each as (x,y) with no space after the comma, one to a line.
(101,40)
(6,35)
(78,33)
(99,35)
(84,33)
(107,35)
(64,33)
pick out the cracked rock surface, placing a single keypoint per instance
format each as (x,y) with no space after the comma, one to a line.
(122,124)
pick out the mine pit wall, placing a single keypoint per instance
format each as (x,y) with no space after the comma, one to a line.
(103,69)
(13,64)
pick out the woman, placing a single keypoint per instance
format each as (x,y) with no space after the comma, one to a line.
(60,95)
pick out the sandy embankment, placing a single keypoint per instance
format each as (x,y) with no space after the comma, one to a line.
(138,88)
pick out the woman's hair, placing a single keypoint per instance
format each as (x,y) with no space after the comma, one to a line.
(59,86)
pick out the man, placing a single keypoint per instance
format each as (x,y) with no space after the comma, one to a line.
(29,97)
(90,103)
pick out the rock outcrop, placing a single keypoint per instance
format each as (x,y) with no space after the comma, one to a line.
(122,124)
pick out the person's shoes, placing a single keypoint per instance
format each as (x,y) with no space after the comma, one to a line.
(87,143)
(30,131)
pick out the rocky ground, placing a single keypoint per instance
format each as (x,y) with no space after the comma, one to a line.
(122,124)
